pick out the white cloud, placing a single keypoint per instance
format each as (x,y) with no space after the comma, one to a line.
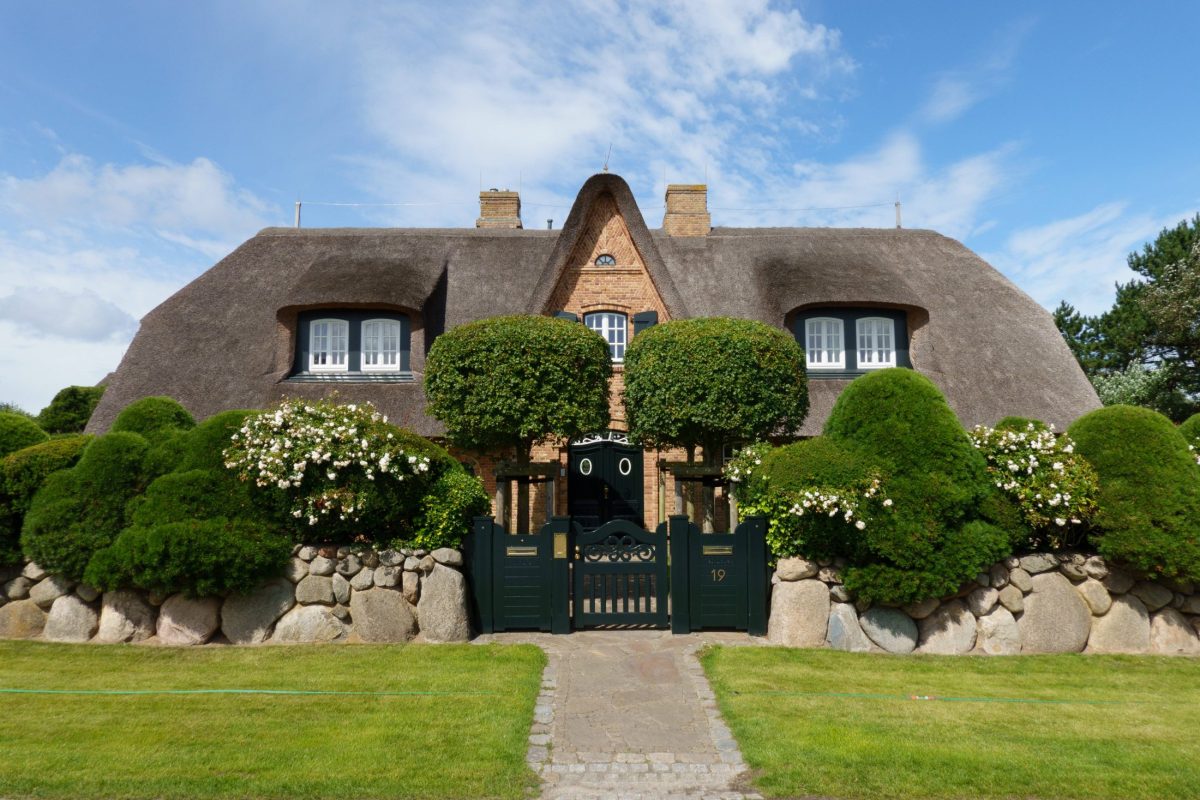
(1080,258)
(950,98)
(69,315)
(956,91)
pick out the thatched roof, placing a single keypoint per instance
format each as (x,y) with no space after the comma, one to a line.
(223,340)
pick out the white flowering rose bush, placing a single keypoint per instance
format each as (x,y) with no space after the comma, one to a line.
(348,474)
(1054,487)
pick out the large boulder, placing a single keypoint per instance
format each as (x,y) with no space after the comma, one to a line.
(1153,595)
(948,631)
(1095,595)
(890,628)
(796,569)
(382,615)
(71,620)
(442,608)
(125,617)
(315,589)
(21,619)
(247,619)
(799,613)
(18,588)
(187,620)
(1171,635)
(844,632)
(309,624)
(1056,620)
(49,590)
(998,633)
(1124,629)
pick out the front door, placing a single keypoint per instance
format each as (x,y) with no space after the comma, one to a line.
(604,481)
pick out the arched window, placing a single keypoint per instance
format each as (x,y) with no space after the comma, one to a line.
(328,345)
(381,345)
(605,260)
(876,343)
(823,343)
(614,328)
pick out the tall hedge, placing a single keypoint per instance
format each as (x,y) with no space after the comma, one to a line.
(507,383)
(713,381)
(934,539)
(154,418)
(1148,513)
(70,409)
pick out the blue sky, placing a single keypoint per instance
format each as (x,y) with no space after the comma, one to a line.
(140,142)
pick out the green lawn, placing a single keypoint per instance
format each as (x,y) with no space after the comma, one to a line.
(830,724)
(456,724)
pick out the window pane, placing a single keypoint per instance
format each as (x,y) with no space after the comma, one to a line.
(823,342)
(613,327)
(327,344)
(875,342)
(381,345)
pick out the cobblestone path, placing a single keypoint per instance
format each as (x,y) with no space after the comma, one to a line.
(630,715)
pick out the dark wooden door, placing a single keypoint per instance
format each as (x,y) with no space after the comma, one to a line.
(604,483)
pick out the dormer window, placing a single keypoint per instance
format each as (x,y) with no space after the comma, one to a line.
(614,328)
(327,345)
(351,345)
(875,338)
(605,260)
(823,346)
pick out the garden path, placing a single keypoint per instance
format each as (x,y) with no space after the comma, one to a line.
(629,714)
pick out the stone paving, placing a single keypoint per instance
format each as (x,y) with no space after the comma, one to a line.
(630,715)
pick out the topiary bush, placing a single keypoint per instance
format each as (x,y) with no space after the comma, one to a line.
(70,409)
(22,473)
(154,418)
(208,557)
(934,537)
(81,510)
(713,381)
(1189,429)
(18,432)
(1148,515)
(447,510)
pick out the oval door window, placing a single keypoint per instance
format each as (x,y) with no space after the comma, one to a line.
(585,466)
(625,466)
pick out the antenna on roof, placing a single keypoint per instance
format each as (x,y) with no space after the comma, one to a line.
(297,213)
(898,225)
(607,155)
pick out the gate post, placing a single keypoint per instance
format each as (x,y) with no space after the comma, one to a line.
(756,579)
(479,558)
(678,531)
(560,566)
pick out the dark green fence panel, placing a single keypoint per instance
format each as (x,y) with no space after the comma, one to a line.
(723,582)
(520,582)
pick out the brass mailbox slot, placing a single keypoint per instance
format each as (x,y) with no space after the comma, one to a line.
(560,545)
(717,550)
(523,552)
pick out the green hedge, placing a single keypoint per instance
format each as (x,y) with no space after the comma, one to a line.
(447,510)
(18,432)
(933,539)
(1149,499)
(81,510)
(70,409)
(154,418)
(209,557)
(22,473)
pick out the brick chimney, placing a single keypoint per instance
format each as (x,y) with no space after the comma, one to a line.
(687,210)
(499,209)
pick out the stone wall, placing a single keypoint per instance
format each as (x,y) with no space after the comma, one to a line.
(327,594)
(1038,603)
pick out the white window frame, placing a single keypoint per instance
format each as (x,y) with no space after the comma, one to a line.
(823,348)
(396,354)
(614,327)
(872,342)
(331,361)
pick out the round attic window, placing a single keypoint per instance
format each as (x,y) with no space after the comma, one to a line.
(605,260)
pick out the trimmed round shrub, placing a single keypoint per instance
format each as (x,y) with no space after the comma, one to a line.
(1148,515)
(81,510)
(200,558)
(713,381)
(22,473)
(154,418)
(197,494)
(933,539)
(448,509)
(203,447)
(1189,429)
(18,432)
(70,409)
(507,383)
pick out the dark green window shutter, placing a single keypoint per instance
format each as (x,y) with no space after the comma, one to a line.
(644,320)
(567,315)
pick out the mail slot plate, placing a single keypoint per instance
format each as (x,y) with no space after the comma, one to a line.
(521,552)
(717,550)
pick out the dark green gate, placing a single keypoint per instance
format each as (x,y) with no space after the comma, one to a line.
(620,576)
(520,582)
(719,580)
